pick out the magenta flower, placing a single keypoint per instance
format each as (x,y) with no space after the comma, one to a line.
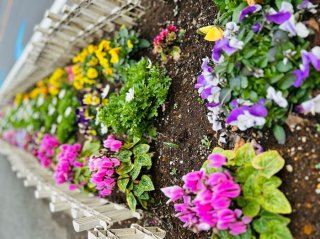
(174,193)
(204,201)
(66,162)
(217,160)
(46,149)
(103,173)
(112,143)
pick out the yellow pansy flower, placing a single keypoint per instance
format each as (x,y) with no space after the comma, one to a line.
(91,48)
(92,73)
(53,91)
(76,69)
(93,62)
(77,84)
(108,71)
(114,52)
(104,45)
(212,33)
(89,81)
(129,44)
(18,99)
(90,99)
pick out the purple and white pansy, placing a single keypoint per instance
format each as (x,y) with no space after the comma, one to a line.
(286,19)
(277,97)
(245,116)
(248,11)
(311,106)
(228,46)
(308,6)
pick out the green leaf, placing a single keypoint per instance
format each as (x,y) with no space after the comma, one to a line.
(131,200)
(283,68)
(137,190)
(279,133)
(276,231)
(243,173)
(143,203)
(268,163)
(261,224)
(230,154)
(145,196)
(123,182)
(209,170)
(91,148)
(146,183)
(287,82)
(244,154)
(275,201)
(135,171)
(124,156)
(252,208)
(143,160)
(124,168)
(141,149)
(144,43)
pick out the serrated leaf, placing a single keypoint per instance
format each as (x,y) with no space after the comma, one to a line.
(131,200)
(268,163)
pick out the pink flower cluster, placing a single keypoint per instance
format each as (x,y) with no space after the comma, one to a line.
(163,35)
(112,143)
(103,169)
(67,160)
(205,202)
(10,136)
(46,149)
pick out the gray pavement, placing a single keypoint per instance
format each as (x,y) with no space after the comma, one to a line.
(23,216)
(17,19)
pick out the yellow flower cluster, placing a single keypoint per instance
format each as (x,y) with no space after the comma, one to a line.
(55,80)
(85,68)
(91,99)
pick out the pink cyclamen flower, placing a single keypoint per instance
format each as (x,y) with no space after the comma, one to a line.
(46,150)
(112,143)
(217,160)
(174,193)
(193,181)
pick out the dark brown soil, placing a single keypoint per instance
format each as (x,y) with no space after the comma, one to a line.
(183,122)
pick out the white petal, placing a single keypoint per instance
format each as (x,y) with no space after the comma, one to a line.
(302,30)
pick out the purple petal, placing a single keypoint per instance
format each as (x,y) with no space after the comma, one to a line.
(259,110)
(279,17)
(248,10)
(233,116)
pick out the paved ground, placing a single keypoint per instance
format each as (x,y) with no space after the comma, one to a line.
(17,19)
(23,216)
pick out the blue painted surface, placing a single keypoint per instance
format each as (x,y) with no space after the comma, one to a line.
(20,39)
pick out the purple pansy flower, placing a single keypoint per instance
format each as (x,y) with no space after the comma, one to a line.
(256,27)
(282,15)
(227,46)
(249,10)
(311,106)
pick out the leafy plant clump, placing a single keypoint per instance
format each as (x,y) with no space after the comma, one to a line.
(235,195)
(133,180)
(132,110)
(262,66)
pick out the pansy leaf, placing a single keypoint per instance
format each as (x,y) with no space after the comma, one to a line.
(283,68)
(268,163)
(279,133)
(131,200)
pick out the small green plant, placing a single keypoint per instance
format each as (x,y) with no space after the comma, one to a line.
(132,110)
(133,179)
(318,128)
(205,141)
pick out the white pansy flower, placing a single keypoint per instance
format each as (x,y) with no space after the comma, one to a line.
(105,91)
(59,119)
(62,94)
(68,111)
(277,97)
